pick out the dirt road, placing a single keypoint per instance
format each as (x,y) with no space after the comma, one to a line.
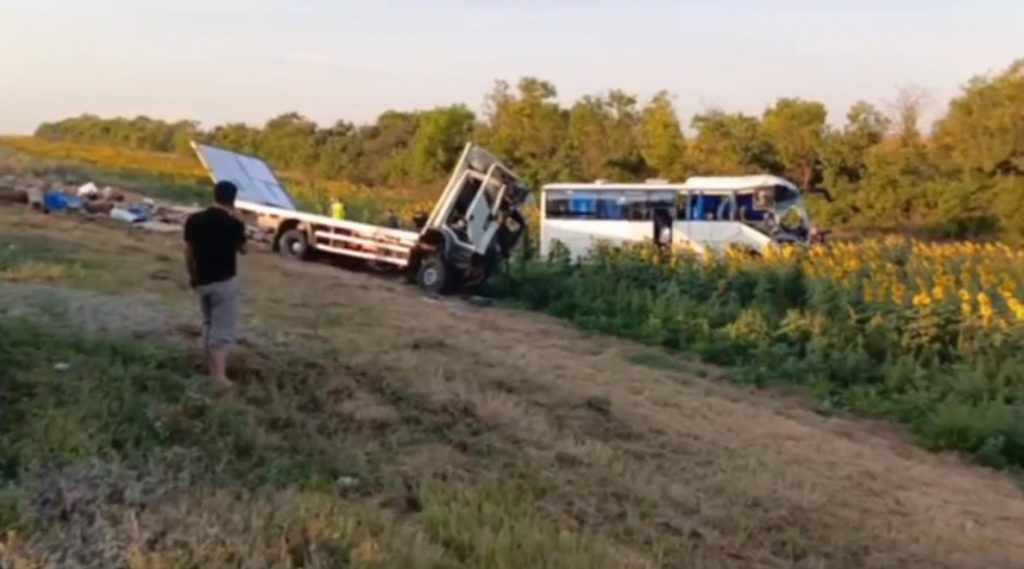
(650,453)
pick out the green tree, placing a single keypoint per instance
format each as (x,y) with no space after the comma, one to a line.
(844,157)
(1009,207)
(796,129)
(439,139)
(339,151)
(661,137)
(984,128)
(603,133)
(239,137)
(384,157)
(590,136)
(290,142)
(730,144)
(529,129)
(183,133)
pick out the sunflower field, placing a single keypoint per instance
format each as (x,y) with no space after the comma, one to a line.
(931,335)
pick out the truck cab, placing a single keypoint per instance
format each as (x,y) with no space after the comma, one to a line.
(474,224)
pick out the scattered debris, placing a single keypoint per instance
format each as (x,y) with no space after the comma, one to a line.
(97,207)
(88,190)
(34,197)
(111,195)
(347,482)
(480,301)
(159,226)
(53,194)
(57,201)
(132,214)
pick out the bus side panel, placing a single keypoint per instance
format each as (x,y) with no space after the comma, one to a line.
(580,235)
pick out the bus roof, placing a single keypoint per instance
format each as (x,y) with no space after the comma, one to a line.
(696,183)
(737,182)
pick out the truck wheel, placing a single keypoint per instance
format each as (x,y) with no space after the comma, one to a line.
(433,276)
(294,245)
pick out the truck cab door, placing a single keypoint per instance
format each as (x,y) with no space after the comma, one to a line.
(482,216)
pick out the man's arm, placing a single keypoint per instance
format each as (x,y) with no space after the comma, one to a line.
(190,263)
(241,238)
(190,253)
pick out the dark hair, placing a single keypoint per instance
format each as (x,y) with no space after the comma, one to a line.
(224,193)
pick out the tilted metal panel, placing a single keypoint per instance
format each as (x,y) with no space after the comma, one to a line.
(255,180)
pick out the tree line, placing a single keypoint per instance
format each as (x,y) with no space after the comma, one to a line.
(964,178)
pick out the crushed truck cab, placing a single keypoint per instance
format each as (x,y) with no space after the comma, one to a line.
(472,229)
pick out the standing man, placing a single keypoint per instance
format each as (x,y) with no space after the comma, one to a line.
(213,237)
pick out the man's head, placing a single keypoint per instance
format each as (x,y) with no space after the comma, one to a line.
(224,193)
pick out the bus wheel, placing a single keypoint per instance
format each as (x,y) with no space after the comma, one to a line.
(432,276)
(294,245)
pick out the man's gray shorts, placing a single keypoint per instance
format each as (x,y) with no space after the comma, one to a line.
(220,304)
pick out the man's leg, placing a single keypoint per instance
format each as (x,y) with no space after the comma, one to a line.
(224,323)
(206,306)
(218,361)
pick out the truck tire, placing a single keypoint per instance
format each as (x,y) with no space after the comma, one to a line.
(433,276)
(294,245)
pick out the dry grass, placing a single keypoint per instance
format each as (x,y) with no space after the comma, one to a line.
(34,272)
(622,461)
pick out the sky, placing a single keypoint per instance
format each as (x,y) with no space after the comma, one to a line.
(247,60)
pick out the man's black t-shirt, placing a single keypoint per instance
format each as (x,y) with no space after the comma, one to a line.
(215,236)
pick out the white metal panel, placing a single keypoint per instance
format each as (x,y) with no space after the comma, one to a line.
(580,235)
(719,235)
(736,183)
(255,180)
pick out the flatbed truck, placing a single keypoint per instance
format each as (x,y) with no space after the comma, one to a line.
(471,231)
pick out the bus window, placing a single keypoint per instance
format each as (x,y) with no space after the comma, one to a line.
(607,205)
(706,207)
(745,210)
(636,206)
(683,207)
(784,194)
(640,206)
(764,198)
(581,204)
(610,205)
(556,204)
(663,200)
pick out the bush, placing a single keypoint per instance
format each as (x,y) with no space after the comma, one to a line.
(929,335)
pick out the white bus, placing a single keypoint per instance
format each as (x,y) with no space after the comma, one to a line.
(702,213)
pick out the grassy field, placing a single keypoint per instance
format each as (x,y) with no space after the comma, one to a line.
(480,438)
(928,335)
(377,428)
(104,411)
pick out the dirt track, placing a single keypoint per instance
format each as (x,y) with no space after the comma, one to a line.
(649,451)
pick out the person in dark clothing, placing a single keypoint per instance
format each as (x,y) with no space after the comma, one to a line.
(213,238)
